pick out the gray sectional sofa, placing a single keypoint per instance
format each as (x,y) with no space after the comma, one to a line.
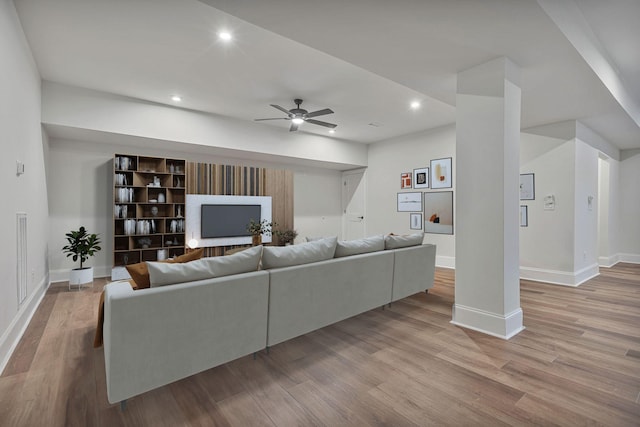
(219,312)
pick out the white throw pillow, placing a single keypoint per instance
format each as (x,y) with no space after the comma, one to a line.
(395,242)
(304,253)
(161,274)
(359,246)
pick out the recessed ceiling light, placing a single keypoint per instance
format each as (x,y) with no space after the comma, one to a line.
(224,36)
(415,105)
(332,131)
(176,98)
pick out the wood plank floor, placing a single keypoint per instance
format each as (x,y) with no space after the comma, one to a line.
(577,363)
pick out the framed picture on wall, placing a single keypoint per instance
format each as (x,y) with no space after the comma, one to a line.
(409,202)
(527,187)
(524,220)
(421,178)
(438,212)
(405,180)
(415,221)
(441,173)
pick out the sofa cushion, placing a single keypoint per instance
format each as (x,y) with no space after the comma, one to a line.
(140,273)
(162,274)
(359,246)
(393,241)
(304,253)
(313,238)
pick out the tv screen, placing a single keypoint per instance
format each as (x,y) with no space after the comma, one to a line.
(227,220)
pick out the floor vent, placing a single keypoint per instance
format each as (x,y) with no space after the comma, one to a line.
(21,233)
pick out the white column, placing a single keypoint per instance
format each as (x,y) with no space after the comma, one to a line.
(487,286)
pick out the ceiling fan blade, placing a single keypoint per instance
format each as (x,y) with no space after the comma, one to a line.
(319,113)
(280,108)
(318,122)
(275,118)
(293,128)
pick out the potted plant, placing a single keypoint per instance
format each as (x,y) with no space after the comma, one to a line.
(286,237)
(81,245)
(258,228)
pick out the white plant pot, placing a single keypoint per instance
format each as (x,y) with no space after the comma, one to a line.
(81,276)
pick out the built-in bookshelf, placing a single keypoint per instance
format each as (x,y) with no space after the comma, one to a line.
(148,208)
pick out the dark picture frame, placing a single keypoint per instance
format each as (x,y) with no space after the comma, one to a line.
(421,178)
(415,221)
(524,216)
(438,212)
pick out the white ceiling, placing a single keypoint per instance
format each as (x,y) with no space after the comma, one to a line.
(364,59)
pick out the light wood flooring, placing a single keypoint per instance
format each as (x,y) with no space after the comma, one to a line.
(577,363)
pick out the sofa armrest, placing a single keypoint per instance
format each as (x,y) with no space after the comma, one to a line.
(414,270)
(155,336)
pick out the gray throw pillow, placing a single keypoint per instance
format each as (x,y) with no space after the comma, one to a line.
(161,274)
(359,246)
(395,242)
(304,253)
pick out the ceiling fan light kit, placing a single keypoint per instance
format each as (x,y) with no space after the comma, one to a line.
(300,115)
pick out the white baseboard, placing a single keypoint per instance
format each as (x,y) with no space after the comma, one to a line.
(556,277)
(11,337)
(608,261)
(631,258)
(497,325)
(63,275)
(445,261)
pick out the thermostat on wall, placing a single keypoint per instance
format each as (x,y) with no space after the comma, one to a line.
(550,203)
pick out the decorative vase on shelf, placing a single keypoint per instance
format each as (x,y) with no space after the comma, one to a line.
(256,239)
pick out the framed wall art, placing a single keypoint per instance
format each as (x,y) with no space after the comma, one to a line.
(524,220)
(527,187)
(421,178)
(405,180)
(438,212)
(415,221)
(441,173)
(409,202)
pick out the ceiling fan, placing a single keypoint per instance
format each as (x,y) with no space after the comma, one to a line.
(300,115)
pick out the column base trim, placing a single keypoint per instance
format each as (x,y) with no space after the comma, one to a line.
(500,326)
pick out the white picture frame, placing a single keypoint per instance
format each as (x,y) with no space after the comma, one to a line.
(527,186)
(410,202)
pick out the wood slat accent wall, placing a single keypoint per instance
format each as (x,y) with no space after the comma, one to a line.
(229,180)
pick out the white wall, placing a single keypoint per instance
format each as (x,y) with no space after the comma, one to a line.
(317,203)
(586,218)
(546,244)
(22,140)
(629,214)
(80,189)
(387,160)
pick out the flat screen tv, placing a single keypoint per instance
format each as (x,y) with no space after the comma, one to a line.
(227,220)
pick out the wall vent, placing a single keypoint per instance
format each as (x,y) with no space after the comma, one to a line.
(21,233)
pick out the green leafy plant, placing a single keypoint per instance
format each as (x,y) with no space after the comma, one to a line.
(286,236)
(260,227)
(81,245)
